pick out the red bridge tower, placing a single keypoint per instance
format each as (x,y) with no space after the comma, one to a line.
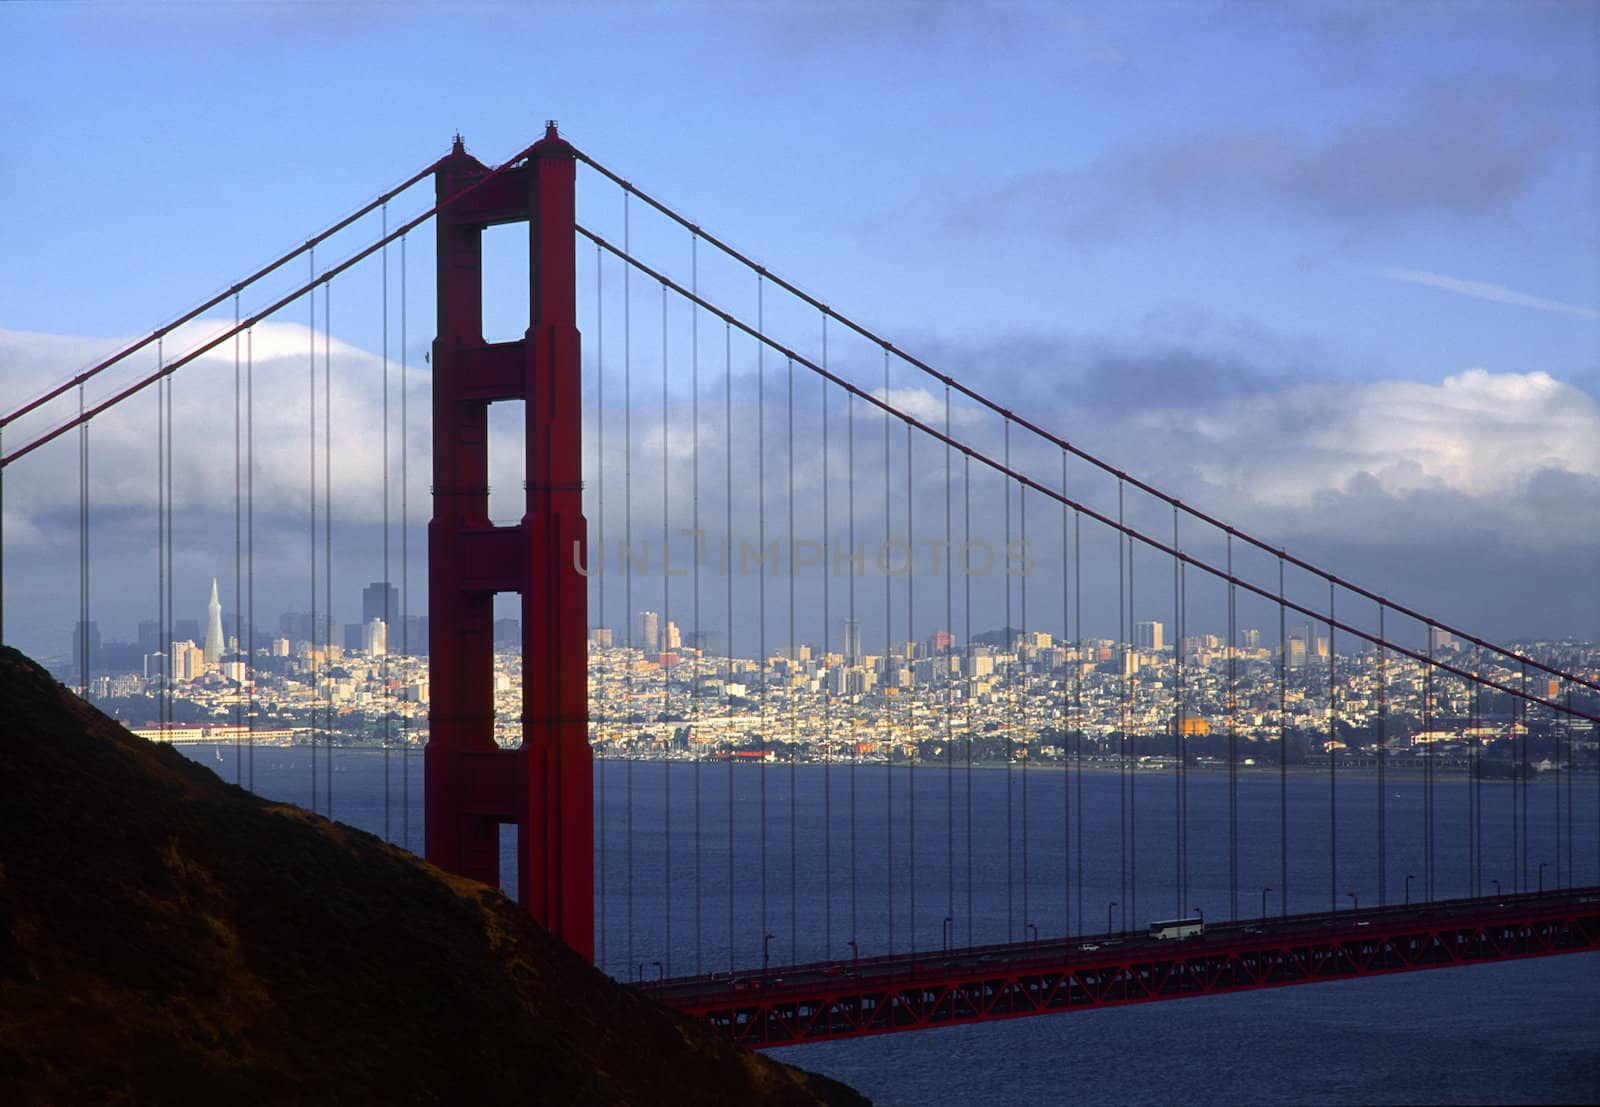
(545,787)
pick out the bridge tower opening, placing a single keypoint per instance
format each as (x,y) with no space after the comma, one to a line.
(545,786)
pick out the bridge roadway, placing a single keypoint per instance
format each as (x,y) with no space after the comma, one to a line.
(881,995)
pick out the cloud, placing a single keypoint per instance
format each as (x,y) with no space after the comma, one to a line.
(1493,477)
(1456,150)
(1482,290)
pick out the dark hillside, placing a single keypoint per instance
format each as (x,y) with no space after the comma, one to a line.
(167,938)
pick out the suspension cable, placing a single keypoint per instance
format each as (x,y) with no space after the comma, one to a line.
(1133,535)
(1035,429)
(233,290)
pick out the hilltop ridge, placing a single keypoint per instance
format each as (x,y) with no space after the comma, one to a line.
(166,937)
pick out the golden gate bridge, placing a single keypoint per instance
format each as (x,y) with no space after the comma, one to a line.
(737,453)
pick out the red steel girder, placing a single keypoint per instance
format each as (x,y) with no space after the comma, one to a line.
(814,1003)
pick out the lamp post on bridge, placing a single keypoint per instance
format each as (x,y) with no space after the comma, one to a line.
(1409,878)
(949,924)
(1264,892)
(1109,906)
(1355,903)
(1035,929)
(1496,884)
(855,955)
(766,952)
(1542,866)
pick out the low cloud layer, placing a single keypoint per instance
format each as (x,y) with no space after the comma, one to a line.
(1489,480)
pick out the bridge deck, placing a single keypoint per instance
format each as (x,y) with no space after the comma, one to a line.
(942,988)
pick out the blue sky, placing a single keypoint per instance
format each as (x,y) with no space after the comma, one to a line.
(1330,269)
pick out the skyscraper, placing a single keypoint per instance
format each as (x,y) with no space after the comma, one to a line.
(1150,636)
(647,631)
(852,642)
(373,597)
(214,641)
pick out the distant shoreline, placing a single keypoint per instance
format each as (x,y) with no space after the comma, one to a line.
(1100,766)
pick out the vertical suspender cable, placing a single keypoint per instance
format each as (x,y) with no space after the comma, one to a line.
(327,522)
(966,638)
(1182,632)
(888,660)
(1122,708)
(911,703)
(83,550)
(1477,804)
(1477,779)
(832,673)
(238,542)
(727,576)
(602,829)
(628,612)
(1522,777)
(1066,725)
(1008,638)
(1333,767)
(250,537)
(761,576)
(161,538)
(602,818)
(311,462)
(1568,728)
(942,659)
(1179,754)
(665,642)
(1283,746)
(1233,741)
(699,540)
(794,660)
(852,649)
(1022,693)
(388,616)
(171,534)
(1382,759)
(1427,773)
(405,554)
(1077,698)
(1131,908)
